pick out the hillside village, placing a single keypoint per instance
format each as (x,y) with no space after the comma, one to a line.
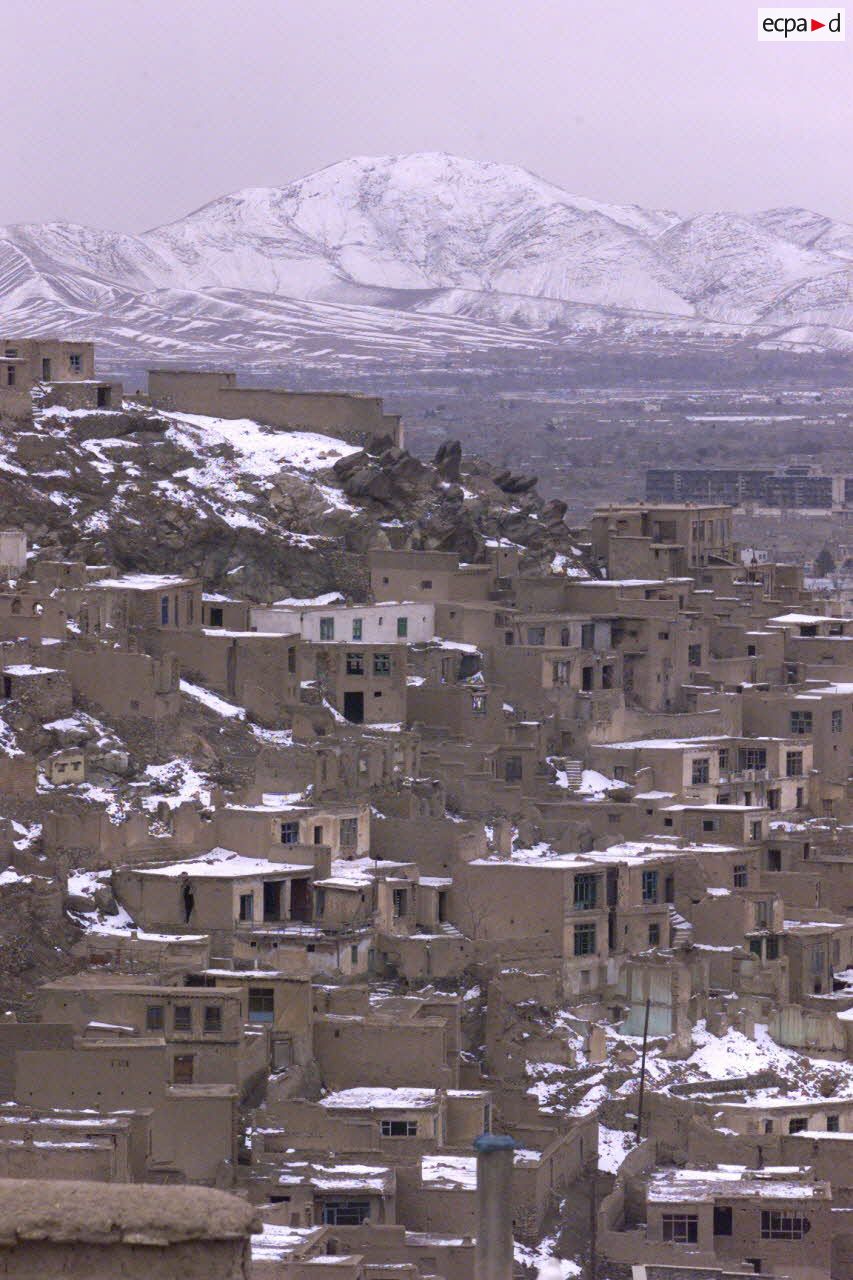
(399,882)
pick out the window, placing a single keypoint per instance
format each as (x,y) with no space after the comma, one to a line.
(399,903)
(426,584)
(663,635)
(584,939)
(10,376)
(783,1226)
(353,954)
(722,1220)
(774,859)
(798,1124)
(740,875)
(183,1017)
(724,759)
(700,770)
(345,1213)
(154,1017)
(710,824)
(357,628)
(75,362)
(752,758)
(355,664)
(402,628)
(164,611)
(587,635)
(183,1068)
(212,1018)
(560,672)
(694,655)
(793,764)
(247,906)
(680,1228)
(349,833)
(478,704)
(513,769)
(837,721)
(755,830)
(654,935)
(319,902)
(771,947)
(586,892)
(291,660)
(535,635)
(318,834)
(290,833)
(261,1004)
(398,1128)
(833,1124)
(327,628)
(801,722)
(650,886)
(382,664)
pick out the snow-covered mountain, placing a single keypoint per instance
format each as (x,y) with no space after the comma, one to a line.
(418,255)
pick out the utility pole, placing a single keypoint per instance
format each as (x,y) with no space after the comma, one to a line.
(643,1073)
(593,1223)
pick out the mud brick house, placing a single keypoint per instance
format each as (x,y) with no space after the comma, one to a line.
(48,373)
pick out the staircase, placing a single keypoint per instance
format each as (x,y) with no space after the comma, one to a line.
(573,770)
(680,929)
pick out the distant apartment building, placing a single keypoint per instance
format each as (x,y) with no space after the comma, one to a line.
(797,487)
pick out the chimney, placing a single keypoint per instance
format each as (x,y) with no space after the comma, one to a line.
(494,1256)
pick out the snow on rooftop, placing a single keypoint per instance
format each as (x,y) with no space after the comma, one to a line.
(221,864)
(377,1099)
(144,582)
(308,602)
(26,669)
(690,1185)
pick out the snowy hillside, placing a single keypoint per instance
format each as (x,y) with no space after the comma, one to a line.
(415,256)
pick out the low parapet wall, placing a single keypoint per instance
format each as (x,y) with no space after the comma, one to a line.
(358,419)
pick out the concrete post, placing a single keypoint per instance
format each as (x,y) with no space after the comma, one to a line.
(494,1256)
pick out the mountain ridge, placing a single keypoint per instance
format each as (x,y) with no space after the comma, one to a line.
(478,243)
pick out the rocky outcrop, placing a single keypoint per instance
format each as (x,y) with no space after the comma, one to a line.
(140,493)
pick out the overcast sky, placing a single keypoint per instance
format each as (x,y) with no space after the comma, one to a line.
(128,114)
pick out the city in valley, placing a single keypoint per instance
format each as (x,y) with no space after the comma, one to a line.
(428,849)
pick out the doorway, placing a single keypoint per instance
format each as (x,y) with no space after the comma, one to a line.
(45,370)
(272,899)
(300,900)
(354,707)
(104,397)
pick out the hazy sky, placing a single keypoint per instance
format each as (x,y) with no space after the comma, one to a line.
(127,114)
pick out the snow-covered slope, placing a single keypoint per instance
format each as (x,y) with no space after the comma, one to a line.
(421,255)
